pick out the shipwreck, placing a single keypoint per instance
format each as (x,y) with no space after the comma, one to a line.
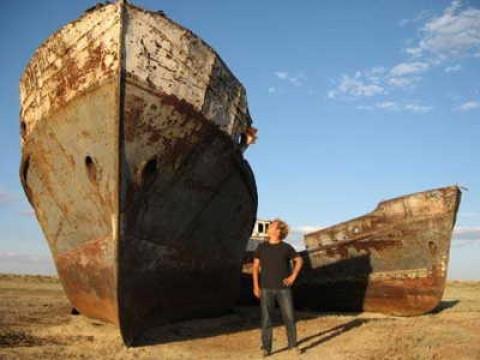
(133,132)
(392,260)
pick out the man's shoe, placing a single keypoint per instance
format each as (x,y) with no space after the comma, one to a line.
(266,352)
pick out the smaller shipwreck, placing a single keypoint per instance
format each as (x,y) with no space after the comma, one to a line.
(392,260)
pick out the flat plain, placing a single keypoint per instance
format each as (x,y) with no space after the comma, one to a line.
(35,323)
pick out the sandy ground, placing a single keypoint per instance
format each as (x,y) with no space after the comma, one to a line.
(35,323)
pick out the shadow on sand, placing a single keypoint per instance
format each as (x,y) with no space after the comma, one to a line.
(338,287)
(444,305)
(311,341)
(326,335)
(241,318)
(333,287)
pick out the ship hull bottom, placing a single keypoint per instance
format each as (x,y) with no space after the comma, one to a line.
(88,279)
(406,296)
(170,295)
(402,297)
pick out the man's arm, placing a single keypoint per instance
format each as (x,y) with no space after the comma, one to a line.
(255,272)
(298,263)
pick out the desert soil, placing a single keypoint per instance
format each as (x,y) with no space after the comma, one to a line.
(35,323)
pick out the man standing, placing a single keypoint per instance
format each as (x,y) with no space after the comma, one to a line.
(272,259)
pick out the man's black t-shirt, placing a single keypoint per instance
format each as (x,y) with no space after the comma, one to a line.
(274,263)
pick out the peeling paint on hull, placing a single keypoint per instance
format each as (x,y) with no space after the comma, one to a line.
(393,260)
(133,132)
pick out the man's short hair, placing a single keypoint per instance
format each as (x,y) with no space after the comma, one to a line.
(283,226)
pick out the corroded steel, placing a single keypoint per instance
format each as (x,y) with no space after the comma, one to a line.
(393,260)
(133,132)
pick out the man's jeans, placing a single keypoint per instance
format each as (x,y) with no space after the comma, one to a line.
(267,304)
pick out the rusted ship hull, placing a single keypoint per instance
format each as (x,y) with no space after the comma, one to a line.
(393,260)
(133,131)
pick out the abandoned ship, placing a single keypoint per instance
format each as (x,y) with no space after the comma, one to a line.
(393,260)
(133,132)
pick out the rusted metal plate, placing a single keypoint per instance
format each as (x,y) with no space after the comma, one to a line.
(133,132)
(72,61)
(69,171)
(186,212)
(87,273)
(393,260)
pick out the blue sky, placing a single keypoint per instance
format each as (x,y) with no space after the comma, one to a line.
(355,102)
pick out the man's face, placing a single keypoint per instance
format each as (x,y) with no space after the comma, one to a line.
(274,230)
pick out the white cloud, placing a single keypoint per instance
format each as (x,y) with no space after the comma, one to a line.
(304,229)
(454,33)
(409,68)
(296,236)
(466,236)
(424,14)
(355,87)
(469,105)
(453,68)
(387,105)
(377,81)
(404,22)
(414,52)
(271,90)
(296,80)
(418,108)
(466,233)
(442,37)
(281,75)
(376,70)
(396,106)
(365,107)
(402,82)
(374,76)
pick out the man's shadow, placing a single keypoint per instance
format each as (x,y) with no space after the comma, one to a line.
(328,334)
(324,336)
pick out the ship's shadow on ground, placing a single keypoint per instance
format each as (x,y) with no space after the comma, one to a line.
(444,305)
(339,286)
(241,318)
(312,299)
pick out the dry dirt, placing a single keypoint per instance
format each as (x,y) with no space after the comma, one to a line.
(35,323)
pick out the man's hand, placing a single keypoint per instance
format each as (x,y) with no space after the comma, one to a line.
(257,292)
(298,263)
(256,285)
(288,281)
